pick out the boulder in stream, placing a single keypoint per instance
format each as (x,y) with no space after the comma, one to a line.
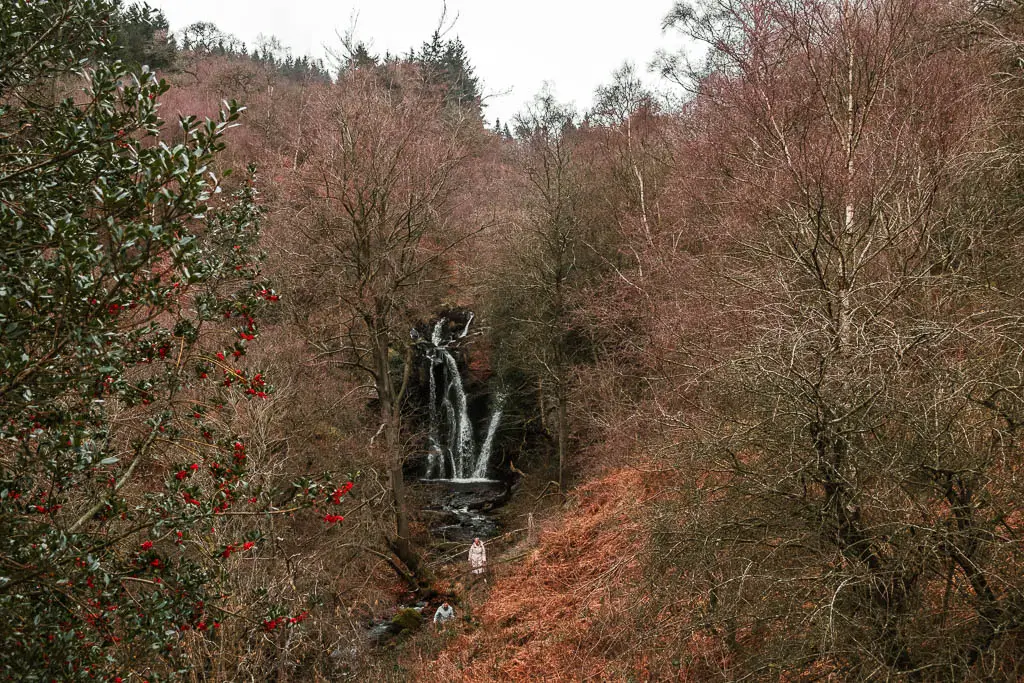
(407,620)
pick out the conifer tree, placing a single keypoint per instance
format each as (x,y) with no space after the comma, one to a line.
(446,64)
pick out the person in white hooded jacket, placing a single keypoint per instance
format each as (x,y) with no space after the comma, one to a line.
(477,556)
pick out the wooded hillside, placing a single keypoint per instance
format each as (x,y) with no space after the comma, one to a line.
(745,365)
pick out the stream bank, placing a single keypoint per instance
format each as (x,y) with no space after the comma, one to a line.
(454,512)
(448,482)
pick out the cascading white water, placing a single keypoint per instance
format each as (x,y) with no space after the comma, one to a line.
(454,456)
(434,456)
(434,463)
(435,336)
(462,449)
(465,330)
(453,426)
(484,459)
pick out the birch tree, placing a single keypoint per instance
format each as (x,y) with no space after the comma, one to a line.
(859,434)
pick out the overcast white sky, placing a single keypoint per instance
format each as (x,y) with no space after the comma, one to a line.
(514,46)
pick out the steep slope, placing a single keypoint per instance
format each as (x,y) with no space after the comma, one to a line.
(568,610)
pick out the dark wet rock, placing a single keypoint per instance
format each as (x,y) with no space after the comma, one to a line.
(459,510)
(462,526)
(483,496)
(381,632)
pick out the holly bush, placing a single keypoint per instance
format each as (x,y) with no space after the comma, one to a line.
(129,293)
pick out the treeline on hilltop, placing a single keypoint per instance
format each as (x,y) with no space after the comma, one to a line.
(142,36)
(787,306)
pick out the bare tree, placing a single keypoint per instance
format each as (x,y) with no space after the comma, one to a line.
(626,113)
(545,248)
(850,470)
(376,223)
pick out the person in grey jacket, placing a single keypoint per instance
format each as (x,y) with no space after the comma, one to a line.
(444,613)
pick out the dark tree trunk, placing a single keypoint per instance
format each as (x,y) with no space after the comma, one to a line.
(391,419)
(563,433)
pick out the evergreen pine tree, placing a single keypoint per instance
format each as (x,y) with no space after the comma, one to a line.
(142,37)
(445,64)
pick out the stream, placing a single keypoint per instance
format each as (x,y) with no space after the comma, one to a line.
(457,512)
(458,496)
(459,492)
(461,509)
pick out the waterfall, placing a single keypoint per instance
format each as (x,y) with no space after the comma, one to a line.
(434,456)
(453,425)
(462,449)
(465,330)
(484,459)
(451,440)
(434,463)
(435,337)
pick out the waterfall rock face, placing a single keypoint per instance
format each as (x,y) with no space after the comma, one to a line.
(452,451)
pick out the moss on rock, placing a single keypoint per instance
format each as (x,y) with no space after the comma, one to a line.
(407,619)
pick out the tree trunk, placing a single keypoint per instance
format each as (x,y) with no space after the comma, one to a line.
(401,545)
(390,415)
(563,433)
